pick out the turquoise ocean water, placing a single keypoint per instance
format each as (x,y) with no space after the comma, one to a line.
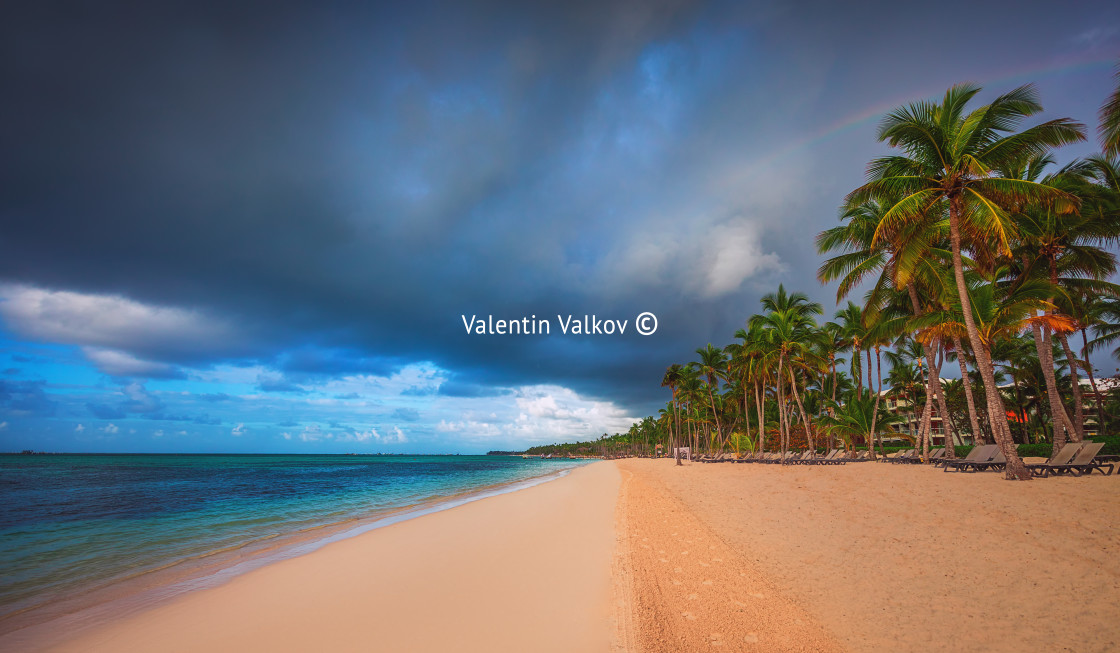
(74,523)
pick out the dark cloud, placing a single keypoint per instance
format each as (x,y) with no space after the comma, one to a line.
(11,371)
(337,184)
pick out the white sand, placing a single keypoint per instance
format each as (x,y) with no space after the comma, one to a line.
(524,571)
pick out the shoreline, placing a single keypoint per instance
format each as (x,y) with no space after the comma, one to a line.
(129,594)
(642,556)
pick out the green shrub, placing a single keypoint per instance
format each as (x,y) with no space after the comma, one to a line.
(1111,445)
(1040,450)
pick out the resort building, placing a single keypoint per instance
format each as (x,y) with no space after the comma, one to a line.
(911,413)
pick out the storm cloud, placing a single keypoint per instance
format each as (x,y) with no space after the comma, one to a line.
(318,191)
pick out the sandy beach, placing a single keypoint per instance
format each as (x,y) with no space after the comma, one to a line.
(524,571)
(870,557)
(641,556)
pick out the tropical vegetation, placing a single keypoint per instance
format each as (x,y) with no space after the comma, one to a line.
(968,245)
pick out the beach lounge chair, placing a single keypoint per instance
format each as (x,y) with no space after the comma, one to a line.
(917,458)
(1063,457)
(904,457)
(979,454)
(1083,462)
(820,460)
(998,462)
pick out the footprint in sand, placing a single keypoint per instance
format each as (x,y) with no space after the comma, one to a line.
(739,604)
(664,560)
(704,564)
(677,570)
(758,596)
(676,582)
(706,581)
(684,553)
(717,559)
(692,597)
(661,552)
(751,638)
(689,616)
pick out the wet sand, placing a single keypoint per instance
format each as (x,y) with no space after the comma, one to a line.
(524,571)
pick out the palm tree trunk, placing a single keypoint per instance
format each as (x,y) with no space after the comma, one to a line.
(857,373)
(927,413)
(948,429)
(1093,382)
(715,415)
(677,417)
(833,381)
(870,383)
(977,435)
(996,413)
(875,410)
(746,409)
(924,425)
(1075,381)
(941,405)
(804,417)
(1061,422)
(761,402)
(1021,418)
(783,427)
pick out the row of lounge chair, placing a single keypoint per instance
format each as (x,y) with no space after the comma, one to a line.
(1075,459)
(913,457)
(810,457)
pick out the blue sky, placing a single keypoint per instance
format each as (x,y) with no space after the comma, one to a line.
(257,228)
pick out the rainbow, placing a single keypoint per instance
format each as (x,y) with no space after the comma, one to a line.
(860,118)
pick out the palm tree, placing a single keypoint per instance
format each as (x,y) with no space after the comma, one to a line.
(858,418)
(712,365)
(673,376)
(1062,248)
(953,158)
(788,328)
(997,313)
(851,326)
